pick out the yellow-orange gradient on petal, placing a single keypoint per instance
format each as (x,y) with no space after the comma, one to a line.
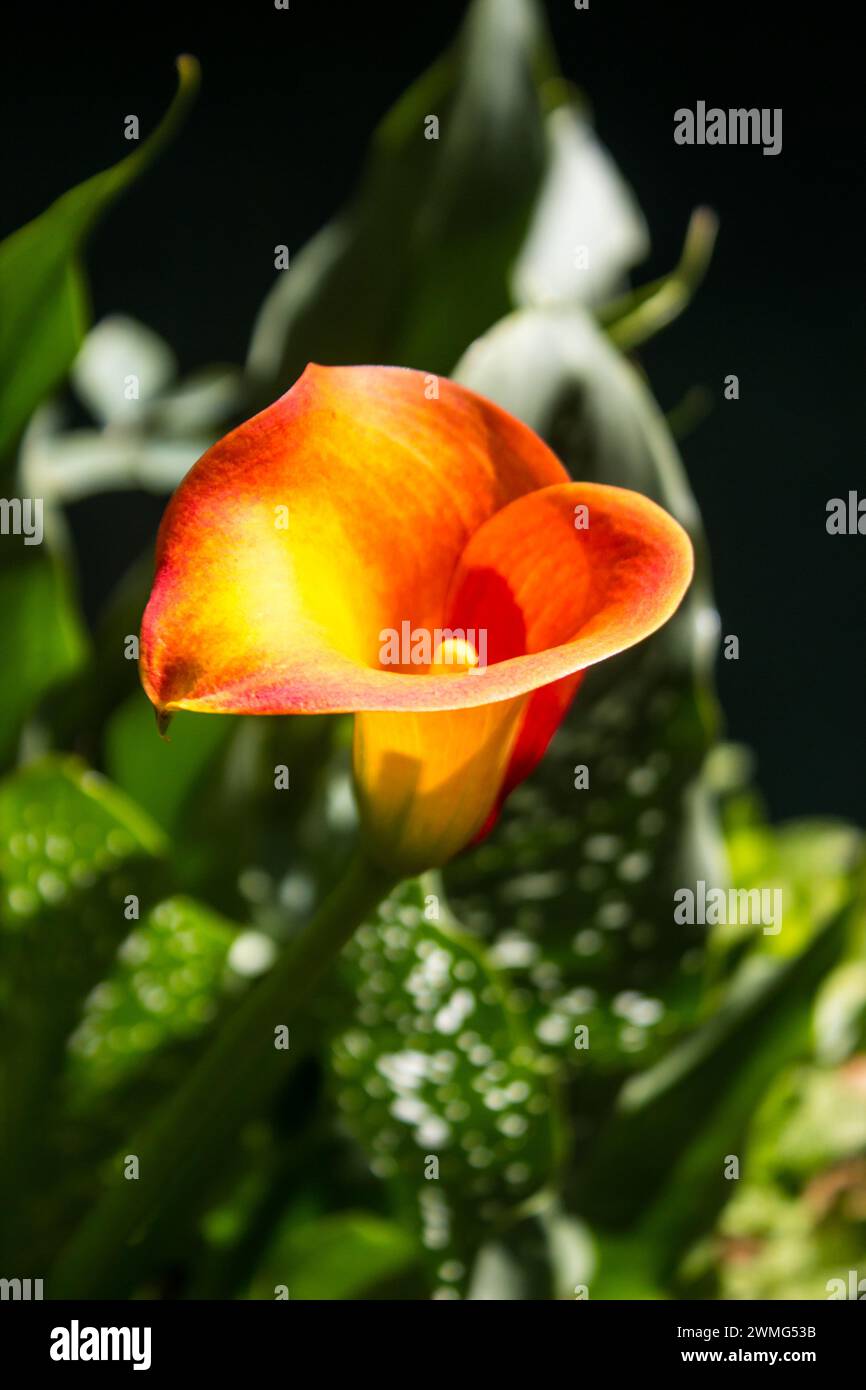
(338,512)
(388,543)
(424,781)
(556,581)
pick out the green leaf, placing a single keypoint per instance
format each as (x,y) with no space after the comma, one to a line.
(232,1081)
(809,861)
(696,1103)
(439,1082)
(773,1246)
(574,889)
(76,713)
(44,637)
(211,789)
(170,976)
(809,1120)
(162,776)
(840,1013)
(43,300)
(546,1254)
(418,265)
(794,1220)
(72,851)
(335,1257)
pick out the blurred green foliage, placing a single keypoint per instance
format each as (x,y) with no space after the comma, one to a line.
(525,1079)
(43,296)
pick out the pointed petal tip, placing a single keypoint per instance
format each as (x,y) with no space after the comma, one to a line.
(163,719)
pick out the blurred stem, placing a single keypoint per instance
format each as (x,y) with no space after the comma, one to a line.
(229,1270)
(690,412)
(636,317)
(232,1080)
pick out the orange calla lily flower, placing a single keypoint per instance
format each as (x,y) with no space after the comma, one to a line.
(390,544)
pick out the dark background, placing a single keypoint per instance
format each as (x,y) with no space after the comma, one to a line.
(272,150)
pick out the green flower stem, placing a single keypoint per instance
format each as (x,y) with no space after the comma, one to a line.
(637,316)
(233,1079)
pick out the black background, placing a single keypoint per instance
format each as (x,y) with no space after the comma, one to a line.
(272,149)
(617,1337)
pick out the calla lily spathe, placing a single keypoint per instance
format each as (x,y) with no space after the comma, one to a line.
(362,502)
